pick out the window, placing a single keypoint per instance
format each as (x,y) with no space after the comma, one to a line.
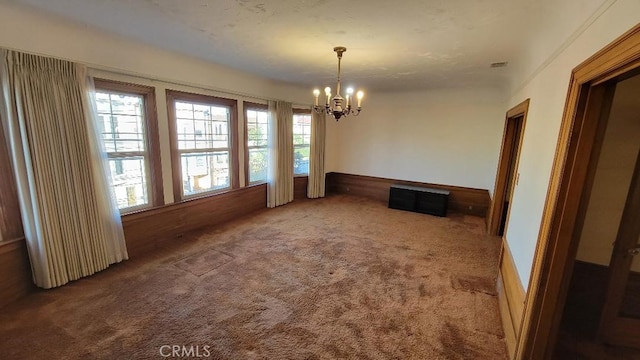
(126,118)
(301,142)
(203,135)
(257,142)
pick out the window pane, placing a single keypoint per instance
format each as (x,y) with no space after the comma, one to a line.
(301,160)
(129,181)
(301,142)
(202,126)
(257,129)
(204,171)
(257,165)
(121,119)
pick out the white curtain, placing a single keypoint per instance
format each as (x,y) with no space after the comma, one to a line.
(71,224)
(280,164)
(315,187)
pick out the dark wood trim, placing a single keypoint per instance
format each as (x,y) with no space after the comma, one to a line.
(506,153)
(152,135)
(249,106)
(15,271)
(10,218)
(568,178)
(234,162)
(149,229)
(461,199)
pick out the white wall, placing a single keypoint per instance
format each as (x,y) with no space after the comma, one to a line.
(613,175)
(446,136)
(116,58)
(547,90)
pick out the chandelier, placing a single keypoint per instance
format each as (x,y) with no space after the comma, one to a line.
(338,106)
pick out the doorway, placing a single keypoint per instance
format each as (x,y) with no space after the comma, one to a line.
(602,300)
(507,175)
(571,174)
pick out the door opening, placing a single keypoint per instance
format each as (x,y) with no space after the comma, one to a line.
(599,300)
(571,174)
(507,175)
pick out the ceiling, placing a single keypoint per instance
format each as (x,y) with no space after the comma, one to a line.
(392,45)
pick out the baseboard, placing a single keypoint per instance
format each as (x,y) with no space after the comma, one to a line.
(511,296)
(146,230)
(461,199)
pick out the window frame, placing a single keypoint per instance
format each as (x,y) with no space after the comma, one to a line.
(301,112)
(153,169)
(251,106)
(176,165)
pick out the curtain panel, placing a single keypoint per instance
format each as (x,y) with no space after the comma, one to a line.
(71,225)
(316,185)
(280,164)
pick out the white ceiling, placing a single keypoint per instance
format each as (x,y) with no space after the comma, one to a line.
(392,45)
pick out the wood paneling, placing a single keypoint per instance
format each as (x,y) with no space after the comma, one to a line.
(15,272)
(464,200)
(147,229)
(585,299)
(300,187)
(507,321)
(511,297)
(551,264)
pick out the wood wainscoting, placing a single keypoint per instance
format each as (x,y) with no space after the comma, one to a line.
(464,200)
(147,230)
(15,271)
(511,297)
(300,187)
(585,299)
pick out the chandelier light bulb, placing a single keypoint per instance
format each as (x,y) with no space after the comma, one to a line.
(327,90)
(349,94)
(360,95)
(316,93)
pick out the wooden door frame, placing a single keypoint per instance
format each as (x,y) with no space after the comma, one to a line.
(550,273)
(506,153)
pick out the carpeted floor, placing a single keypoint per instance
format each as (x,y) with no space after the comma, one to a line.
(337,278)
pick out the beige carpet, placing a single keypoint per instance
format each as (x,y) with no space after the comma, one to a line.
(337,278)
